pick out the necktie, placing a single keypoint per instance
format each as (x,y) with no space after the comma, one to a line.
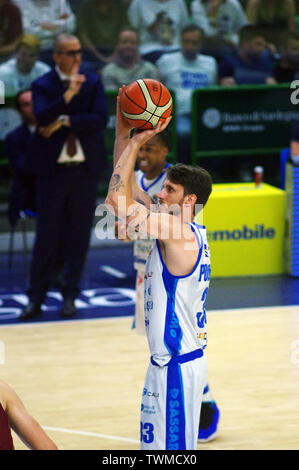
(71,138)
(71,147)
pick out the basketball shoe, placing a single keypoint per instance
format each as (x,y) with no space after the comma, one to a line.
(208,423)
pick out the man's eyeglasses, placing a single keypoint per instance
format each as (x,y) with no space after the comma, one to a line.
(72,53)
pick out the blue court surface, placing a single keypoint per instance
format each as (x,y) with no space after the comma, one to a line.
(108,288)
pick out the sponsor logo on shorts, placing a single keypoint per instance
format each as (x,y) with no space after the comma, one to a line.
(150,410)
(148,393)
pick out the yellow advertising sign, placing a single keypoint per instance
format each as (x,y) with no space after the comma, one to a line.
(245,227)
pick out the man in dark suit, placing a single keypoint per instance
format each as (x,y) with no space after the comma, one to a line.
(68,157)
(17,145)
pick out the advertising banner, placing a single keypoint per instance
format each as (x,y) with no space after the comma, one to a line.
(242,120)
(245,228)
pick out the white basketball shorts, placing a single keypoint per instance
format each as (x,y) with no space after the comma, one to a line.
(171,403)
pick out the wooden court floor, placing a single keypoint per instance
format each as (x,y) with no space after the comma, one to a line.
(82,380)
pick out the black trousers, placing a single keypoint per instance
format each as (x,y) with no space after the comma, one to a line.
(65,211)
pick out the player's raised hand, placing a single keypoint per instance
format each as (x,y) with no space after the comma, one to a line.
(140,137)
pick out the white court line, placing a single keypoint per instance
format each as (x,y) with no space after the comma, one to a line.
(113,272)
(91,434)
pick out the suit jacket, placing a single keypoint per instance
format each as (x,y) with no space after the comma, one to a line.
(18,147)
(88,111)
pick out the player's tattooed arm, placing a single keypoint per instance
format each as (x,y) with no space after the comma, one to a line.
(138,194)
(116,183)
(120,192)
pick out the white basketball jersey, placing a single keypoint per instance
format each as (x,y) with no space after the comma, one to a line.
(151,187)
(174,306)
(154,186)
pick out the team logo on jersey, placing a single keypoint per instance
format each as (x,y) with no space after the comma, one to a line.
(206,250)
(149,305)
(202,336)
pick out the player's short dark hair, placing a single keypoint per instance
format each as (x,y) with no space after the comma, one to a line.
(194,179)
(163,138)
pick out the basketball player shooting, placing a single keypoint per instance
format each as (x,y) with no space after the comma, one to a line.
(176,286)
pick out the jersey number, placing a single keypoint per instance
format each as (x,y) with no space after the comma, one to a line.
(146,433)
(201,316)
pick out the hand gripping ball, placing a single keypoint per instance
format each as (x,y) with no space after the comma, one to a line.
(146,102)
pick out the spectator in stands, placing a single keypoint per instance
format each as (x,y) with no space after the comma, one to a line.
(221,21)
(183,72)
(19,72)
(287,68)
(127,65)
(273,16)
(45,19)
(278,13)
(159,24)
(10,28)
(18,149)
(99,23)
(251,64)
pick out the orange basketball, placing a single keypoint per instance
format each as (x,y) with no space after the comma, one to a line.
(145,103)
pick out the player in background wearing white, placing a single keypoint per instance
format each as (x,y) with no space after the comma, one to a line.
(150,176)
(178,358)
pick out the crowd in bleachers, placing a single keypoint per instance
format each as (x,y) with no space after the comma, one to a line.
(187,44)
(157,22)
(265,52)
